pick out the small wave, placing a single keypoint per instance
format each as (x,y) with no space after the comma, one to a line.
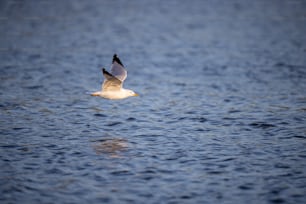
(262,125)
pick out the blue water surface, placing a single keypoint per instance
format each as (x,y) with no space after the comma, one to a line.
(221,116)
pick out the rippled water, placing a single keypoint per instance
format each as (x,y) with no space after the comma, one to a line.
(221,117)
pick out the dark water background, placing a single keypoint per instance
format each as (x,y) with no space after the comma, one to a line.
(221,117)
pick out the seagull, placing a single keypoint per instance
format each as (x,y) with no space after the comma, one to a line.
(113,82)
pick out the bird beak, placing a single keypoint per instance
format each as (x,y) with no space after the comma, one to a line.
(136,94)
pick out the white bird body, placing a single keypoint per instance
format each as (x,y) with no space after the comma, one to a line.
(112,84)
(121,94)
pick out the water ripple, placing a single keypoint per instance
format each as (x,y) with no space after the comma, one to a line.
(220,118)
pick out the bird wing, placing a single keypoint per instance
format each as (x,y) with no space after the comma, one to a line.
(117,69)
(110,83)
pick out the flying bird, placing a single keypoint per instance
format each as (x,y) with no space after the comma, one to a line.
(112,86)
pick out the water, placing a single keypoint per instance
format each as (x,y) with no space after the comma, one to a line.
(221,113)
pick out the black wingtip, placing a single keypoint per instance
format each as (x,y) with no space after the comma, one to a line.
(106,72)
(116,59)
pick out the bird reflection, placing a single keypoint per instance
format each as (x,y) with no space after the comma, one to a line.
(111,146)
